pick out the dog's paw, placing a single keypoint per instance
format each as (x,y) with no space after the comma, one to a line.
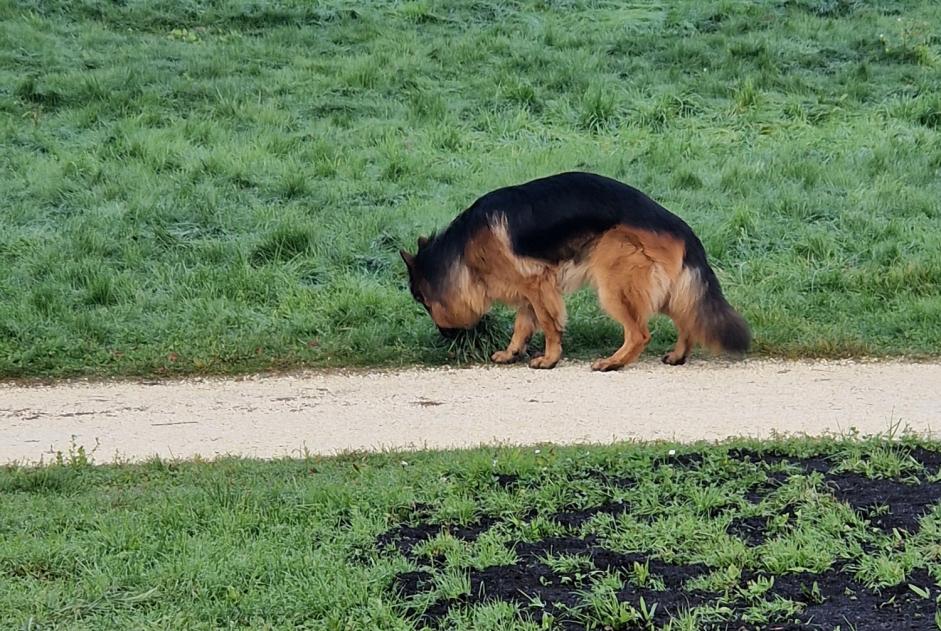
(543,362)
(504,357)
(672,359)
(605,365)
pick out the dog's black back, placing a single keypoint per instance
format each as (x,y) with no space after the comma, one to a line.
(550,219)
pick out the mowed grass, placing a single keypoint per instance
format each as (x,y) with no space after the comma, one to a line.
(209,187)
(316,543)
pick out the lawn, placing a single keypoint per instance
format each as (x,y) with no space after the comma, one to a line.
(827,532)
(199,186)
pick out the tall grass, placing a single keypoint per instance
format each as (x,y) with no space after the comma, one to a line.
(214,187)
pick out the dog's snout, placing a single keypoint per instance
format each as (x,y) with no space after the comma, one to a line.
(449,333)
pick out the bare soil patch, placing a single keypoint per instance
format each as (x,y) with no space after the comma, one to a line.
(833,598)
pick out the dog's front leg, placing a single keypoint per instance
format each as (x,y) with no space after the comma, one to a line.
(549,308)
(522,331)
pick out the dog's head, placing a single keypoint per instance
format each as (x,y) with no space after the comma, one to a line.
(444,288)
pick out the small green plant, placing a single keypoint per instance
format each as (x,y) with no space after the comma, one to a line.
(605,610)
(755,589)
(921,592)
(814,594)
(186,35)
(77,457)
(747,96)
(598,109)
(572,568)
(640,574)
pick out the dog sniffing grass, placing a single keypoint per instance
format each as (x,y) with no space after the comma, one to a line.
(529,244)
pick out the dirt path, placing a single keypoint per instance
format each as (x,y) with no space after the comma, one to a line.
(325,413)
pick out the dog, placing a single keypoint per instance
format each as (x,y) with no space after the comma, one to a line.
(526,246)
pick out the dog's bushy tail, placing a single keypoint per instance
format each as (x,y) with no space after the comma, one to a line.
(698,300)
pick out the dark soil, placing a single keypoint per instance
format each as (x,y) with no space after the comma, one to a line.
(833,599)
(556,546)
(751,455)
(530,581)
(751,530)
(404,538)
(574,519)
(507,480)
(930,460)
(409,583)
(776,479)
(754,530)
(829,600)
(905,503)
(819,463)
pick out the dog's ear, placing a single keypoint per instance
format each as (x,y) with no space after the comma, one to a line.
(422,242)
(408,258)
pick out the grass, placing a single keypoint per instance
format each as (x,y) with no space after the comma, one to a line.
(315,543)
(222,187)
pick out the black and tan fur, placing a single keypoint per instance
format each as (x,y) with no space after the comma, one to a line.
(528,245)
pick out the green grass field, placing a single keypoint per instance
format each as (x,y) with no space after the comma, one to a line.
(196,186)
(704,535)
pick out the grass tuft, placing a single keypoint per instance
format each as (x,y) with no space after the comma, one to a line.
(479,343)
(284,243)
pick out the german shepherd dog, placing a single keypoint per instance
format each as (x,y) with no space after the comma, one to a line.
(525,246)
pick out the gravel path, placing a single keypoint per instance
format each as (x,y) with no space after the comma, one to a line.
(323,413)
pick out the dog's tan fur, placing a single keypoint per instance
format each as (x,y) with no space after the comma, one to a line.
(636,273)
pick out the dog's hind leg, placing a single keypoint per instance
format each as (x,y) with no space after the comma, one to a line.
(523,330)
(684,344)
(631,288)
(626,308)
(681,307)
